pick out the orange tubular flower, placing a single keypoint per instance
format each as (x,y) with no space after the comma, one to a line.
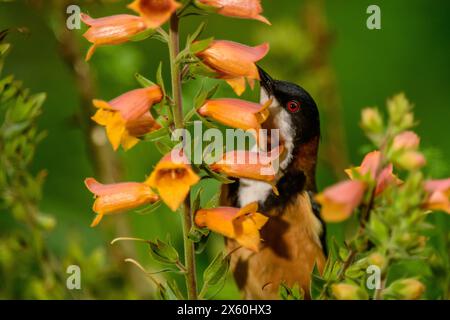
(127,116)
(236,113)
(369,165)
(234,62)
(118,197)
(438,195)
(339,200)
(111,30)
(245,9)
(243,225)
(249,164)
(154,12)
(173,178)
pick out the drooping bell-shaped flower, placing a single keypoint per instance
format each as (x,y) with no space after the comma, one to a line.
(111,30)
(154,12)
(339,200)
(234,62)
(244,9)
(438,195)
(236,113)
(370,165)
(173,177)
(243,224)
(127,116)
(249,164)
(118,197)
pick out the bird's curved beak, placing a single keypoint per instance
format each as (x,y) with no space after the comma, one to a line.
(266,81)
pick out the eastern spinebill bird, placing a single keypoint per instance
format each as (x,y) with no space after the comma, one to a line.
(293,240)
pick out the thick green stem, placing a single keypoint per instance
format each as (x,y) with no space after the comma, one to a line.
(174,50)
(189,250)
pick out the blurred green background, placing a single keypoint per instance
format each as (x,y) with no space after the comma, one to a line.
(324,46)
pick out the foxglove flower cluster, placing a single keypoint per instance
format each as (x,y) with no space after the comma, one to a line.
(133,115)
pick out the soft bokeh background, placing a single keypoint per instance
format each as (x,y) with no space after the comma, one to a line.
(326,48)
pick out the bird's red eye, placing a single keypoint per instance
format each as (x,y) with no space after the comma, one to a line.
(293,106)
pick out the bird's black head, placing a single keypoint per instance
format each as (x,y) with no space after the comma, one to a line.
(296,110)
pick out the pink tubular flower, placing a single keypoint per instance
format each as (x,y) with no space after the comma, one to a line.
(118,197)
(339,200)
(111,30)
(438,195)
(154,12)
(234,62)
(370,165)
(127,116)
(244,9)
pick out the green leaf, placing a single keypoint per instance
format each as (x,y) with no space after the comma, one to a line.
(163,252)
(219,177)
(202,69)
(197,32)
(317,283)
(195,200)
(201,45)
(217,270)
(174,290)
(159,79)
(213,202)
(212,91)
(143,35)
(162,147)
(284,291)
(150,208)
(206,122)
(378,231)
(143,81)
(156,135)
(201,245)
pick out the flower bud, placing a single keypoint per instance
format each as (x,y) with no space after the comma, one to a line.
(411,160)
(398,107)
(371,120)
(346,291)
(406,140)
(377,259)
(406,289)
